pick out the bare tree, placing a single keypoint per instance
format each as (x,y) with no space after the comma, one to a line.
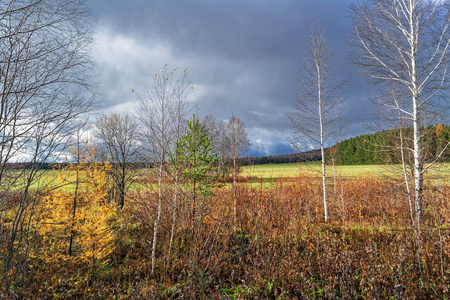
(406,42)
(239,143)
(316,112)
(119,144)
(44,77)
(396,141)
(217,134)
(162,112)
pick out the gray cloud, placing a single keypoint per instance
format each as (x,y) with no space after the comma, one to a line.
(241,56)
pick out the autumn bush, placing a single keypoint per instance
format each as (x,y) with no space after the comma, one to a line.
(280,249)
(75,224)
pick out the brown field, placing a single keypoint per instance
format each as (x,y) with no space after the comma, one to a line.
(280,247)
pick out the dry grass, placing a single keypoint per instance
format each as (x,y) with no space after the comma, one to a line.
(280,247)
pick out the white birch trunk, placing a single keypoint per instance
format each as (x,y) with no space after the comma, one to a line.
(160,187)
(322,148)
(234,185)
(418,165)
(158,218)
(174,217)
(418,176)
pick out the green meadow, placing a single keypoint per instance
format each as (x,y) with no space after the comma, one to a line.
(269,173)
(274,171)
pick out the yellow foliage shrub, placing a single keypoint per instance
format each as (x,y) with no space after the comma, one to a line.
(439,129)
(75,219)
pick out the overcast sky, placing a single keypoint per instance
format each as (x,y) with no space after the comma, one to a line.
(241,55)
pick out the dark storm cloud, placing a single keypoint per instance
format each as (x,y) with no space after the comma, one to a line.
(241,56)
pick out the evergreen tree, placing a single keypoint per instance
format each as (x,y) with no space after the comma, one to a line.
(194,155)
(383,147)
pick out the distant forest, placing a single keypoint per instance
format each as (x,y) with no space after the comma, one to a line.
(313,155)
(383,147)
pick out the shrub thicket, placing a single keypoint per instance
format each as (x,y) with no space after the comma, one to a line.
(281,249)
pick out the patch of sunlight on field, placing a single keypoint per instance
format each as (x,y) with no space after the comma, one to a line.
(272,171)
(53,178)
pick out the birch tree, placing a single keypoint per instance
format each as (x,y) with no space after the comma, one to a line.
(162,111)
(216,132)
(406,43)
(239,143)
(315,114)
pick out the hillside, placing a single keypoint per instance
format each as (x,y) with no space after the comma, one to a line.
(383,147)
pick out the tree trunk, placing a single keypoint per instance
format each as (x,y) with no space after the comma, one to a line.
(418,164)
(322,148)
(158,218)
(234,188)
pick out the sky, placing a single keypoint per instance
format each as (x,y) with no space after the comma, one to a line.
(242,57)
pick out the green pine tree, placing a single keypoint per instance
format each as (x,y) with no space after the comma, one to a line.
(194,155)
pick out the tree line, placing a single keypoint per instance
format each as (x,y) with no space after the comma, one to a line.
(313,155)
(383,147)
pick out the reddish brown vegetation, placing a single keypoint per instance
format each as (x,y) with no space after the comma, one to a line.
(281,248)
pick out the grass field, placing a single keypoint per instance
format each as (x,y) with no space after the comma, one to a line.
(272,172)
(314,169)
(53,178)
